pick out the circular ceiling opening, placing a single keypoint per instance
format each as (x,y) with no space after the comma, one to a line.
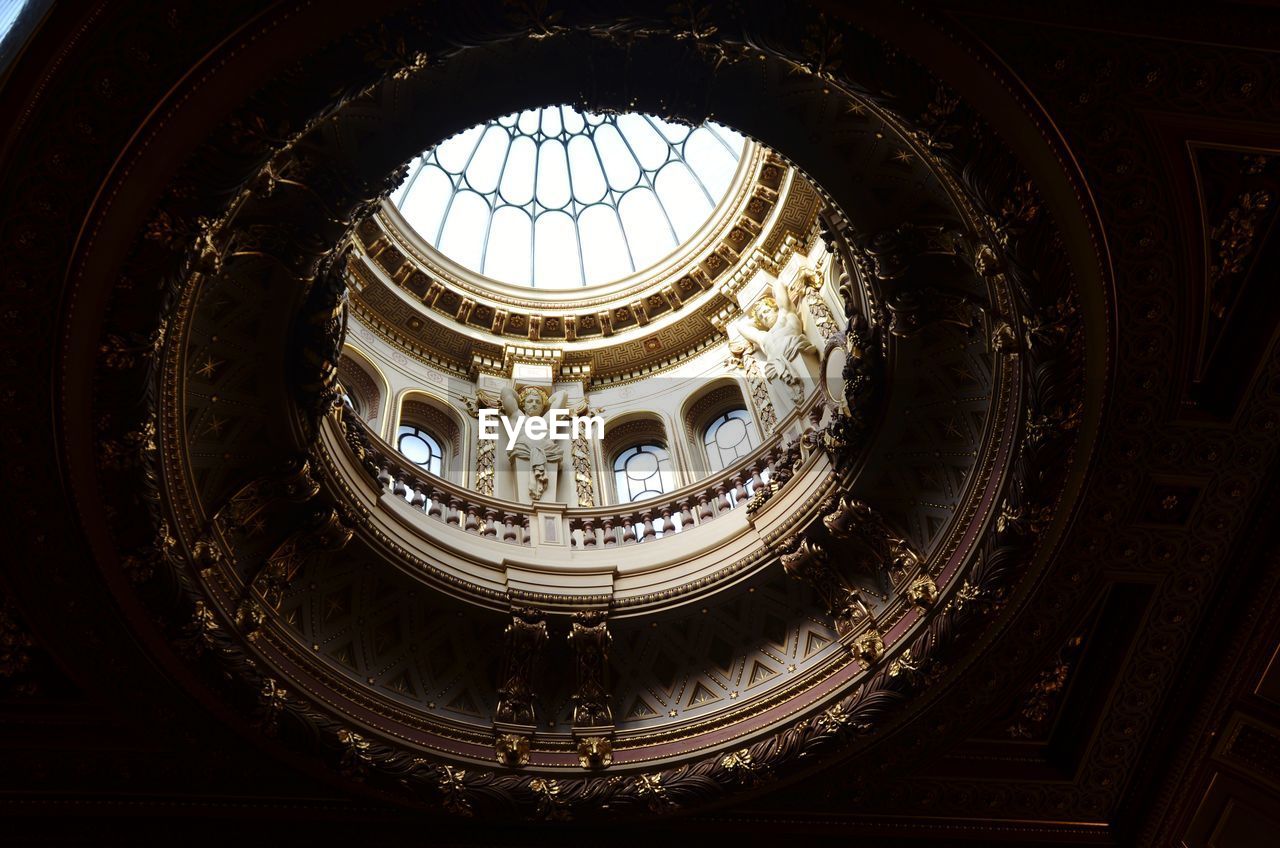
(555,198)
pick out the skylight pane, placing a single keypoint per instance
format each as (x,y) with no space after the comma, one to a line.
(604,250)
(486,164)
(710,161)
(675,133)
(551,121)
(556,252)
(650,148)
(573,121)
(528,121)
(507,256)
(584,170)
(646,225)
(683,199)
(619,165)
(453,153)
(553,175)
(731,139)
(517,178)
(465,228)
(425,204)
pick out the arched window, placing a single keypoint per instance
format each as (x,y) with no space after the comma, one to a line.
(728,438)
(421,448)
(642,472)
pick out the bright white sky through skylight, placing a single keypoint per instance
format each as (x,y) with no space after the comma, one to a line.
(556,198)
(9,11)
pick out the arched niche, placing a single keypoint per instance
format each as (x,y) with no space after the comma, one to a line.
(365,385)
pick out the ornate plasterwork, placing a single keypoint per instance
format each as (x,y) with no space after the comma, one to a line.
(190,427)
(423,304)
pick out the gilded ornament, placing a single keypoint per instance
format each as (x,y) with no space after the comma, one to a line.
(356,755)
(550,806)
(869,647)
(651,788)
(923,591)
(512,749)
(1003,338)
(595,752)
(742,765)
(903,664)
(833,718)
(451,783)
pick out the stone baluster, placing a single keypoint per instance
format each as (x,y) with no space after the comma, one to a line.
(490,526)
(668,526)
(398,487)
(455,512)
(610,538)
(756,480)
(704,507)
(385,480)
(588,533)
(526,532)
(436,510)
(629,530)
(686,517)
(472,524)
(739,490)
(722,499)
(648,526)
(419,501)
(509,527)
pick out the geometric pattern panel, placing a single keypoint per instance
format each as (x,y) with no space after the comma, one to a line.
(717,655)
(932,431)
(405,642)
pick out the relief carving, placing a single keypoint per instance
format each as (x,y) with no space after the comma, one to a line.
(523,642)
(774,331)
(589,638)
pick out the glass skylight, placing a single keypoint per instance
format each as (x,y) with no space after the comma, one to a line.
(556,198)
(9,11)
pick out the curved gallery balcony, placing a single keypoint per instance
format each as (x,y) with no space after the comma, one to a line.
(499,552)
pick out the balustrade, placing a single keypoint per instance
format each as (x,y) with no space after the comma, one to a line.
(588,528)
(691,506)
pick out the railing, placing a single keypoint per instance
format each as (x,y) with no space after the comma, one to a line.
(585,527)
(678,511)
(446,502)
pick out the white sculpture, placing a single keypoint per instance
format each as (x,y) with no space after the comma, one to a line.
(535,459)
(775,331)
